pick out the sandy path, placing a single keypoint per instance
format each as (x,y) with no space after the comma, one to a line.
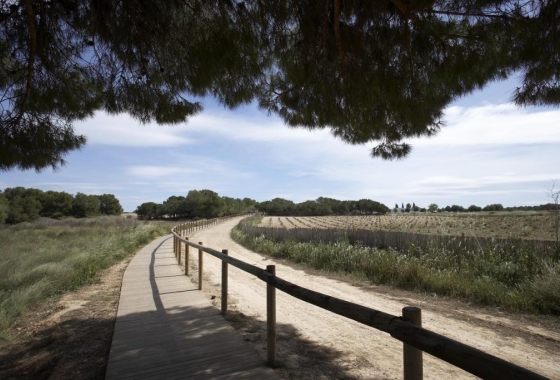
(314,343)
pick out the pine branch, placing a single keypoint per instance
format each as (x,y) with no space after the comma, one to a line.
(31,59)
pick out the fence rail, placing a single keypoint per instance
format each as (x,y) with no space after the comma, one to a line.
(406,328)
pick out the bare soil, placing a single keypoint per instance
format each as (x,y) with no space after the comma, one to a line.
(71,337)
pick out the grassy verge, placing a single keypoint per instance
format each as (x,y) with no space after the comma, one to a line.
(489,279)
(48,257)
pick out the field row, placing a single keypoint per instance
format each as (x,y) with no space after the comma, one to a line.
(538,226)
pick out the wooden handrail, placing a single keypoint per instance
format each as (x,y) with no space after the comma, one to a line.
(468,358)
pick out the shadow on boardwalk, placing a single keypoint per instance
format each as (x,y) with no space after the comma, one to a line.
(80,347)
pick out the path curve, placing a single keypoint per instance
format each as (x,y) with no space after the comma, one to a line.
(314,342)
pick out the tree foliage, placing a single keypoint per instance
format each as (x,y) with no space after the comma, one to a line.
(109,205)
(197,204)
(4,208)
(371,71)
(85,205)
(321,206)
(19,204)
(56,204)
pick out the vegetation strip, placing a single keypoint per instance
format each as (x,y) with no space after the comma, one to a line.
(516,283)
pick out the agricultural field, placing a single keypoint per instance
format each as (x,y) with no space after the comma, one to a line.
(526,225)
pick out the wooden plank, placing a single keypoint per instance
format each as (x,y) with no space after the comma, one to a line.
(178,367)
(166,328)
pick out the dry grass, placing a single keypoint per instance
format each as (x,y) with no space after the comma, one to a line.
(43,259)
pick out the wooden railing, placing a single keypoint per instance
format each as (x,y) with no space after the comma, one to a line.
(406,328)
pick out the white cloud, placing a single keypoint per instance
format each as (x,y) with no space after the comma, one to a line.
(496,124)
(449,182)
(122,130)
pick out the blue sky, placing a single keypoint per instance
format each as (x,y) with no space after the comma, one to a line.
(489,152)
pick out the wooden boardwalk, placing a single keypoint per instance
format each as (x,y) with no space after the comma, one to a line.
(167,329)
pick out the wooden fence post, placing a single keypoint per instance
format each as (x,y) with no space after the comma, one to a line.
(200,266)
(224,283)
(271,319)
(175,246)
(186,258)
(179,243)
(413,368)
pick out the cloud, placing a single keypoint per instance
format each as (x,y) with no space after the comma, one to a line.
(204,168)
(495,124)
(451,182)
(122,130)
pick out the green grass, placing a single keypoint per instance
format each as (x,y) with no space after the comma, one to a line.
(45,258)
(515,283)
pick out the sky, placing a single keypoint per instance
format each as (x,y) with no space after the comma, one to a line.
(489,152)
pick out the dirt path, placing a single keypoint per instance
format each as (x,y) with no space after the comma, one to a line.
(313,343)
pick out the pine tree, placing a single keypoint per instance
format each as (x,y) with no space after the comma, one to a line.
(370,71)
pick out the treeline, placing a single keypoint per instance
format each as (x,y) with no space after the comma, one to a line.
(492,207)
(19,205)
(197,204)
(474,208)
(321,206)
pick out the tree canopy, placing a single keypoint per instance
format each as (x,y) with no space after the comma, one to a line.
(321,206)
(197,204)
(370,71)
(18,204)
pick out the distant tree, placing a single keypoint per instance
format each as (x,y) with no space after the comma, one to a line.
(408,207)
(307,208)
(249,204)
(56,204)
(448,208)
(207,203)
(415,208)
(342,207)
(473,208)
(233,206)
(109,205)
(402,205)
(23,209)
(433,207)
(175,206)
(457,208)
(277,206)
(147,210)
(4,208)
(328,205)
(85,205)
(493,207)
(25,204)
